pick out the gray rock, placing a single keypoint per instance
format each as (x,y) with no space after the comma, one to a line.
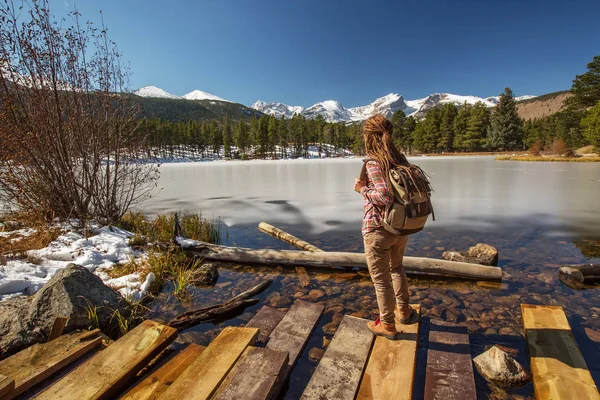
(500,368)
(70,293)
(25,321)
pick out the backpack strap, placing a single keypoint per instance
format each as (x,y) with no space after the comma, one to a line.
(363,172)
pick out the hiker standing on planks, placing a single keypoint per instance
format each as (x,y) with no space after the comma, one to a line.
(396,203)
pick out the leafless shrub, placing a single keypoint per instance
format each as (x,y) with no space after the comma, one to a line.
(70,145)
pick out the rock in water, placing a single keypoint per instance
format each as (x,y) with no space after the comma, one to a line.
(486,254)
(25,321)
(206,275)
(481,253)
(500,368)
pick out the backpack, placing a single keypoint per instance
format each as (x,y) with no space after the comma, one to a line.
(409,211)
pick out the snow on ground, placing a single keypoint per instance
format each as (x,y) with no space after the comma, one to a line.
(99,253)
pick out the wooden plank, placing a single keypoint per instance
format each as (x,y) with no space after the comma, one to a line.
(391,367)
(159,380)
(292,333)
(108,372)
(338,374)
(57,327)
(266,319)
(6,385)
(38,362)
(203,376)
(449,374)
(558,367)
(257,376)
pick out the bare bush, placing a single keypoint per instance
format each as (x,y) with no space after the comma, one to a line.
(558,147)
(536,148)
(70,145)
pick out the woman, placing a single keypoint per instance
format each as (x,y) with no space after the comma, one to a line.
(384,250)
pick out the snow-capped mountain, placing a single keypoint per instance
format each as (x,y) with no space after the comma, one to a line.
(200,95)
(333,111)
(277,109)
(153,91)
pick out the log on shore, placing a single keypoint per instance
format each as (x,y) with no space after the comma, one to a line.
(578,275)
(294,241)
(334,259)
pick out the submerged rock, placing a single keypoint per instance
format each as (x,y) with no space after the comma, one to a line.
(206,275)
(500,368)
(74,292)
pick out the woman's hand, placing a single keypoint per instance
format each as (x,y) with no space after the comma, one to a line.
(358,184)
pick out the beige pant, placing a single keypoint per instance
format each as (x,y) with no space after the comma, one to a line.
(384,252)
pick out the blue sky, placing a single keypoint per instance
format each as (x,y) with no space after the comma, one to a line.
(303,52)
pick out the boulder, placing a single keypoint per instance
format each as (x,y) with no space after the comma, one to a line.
(499,368)
(454,256)
(25,321)
(71,293)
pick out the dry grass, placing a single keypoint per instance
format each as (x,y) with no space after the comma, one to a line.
(18,245)
(548,158)
(161,228)
(585,151)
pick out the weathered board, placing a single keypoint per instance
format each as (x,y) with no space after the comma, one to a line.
(159,380)
(266,319)
(292,333)
(57,327)
(558,368)
(449,374)
(38,362)
(203,376)
(108,372)
(6,385)
(391,367)
(257,375)
(338,374)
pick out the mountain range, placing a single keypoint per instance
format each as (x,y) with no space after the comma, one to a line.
(334,111)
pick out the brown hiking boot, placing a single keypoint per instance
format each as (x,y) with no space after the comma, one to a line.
(380,328)
(404,315)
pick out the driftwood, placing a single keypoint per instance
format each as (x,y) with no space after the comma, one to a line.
(335,259)
(218,311)
(577,276)
(294,241)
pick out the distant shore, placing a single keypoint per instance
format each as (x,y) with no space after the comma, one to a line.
(531,158)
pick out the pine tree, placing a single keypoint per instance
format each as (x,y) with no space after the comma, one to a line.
(241,138)
(227,137)
(506,130)
(272,134)
(477,127)
(282,134)
(461,122)
(448,114)
(586,87)
(591,126)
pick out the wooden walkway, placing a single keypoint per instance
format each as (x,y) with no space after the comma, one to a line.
(558,368)
(254,362)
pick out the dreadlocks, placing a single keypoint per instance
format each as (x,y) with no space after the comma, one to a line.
(377,132)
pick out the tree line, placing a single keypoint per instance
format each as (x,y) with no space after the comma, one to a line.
(262,137)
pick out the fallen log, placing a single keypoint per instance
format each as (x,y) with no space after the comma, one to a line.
(294,241)
(576,276)
(334,259)
(218,311)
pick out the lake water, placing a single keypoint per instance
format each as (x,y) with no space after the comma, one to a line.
(538,215)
